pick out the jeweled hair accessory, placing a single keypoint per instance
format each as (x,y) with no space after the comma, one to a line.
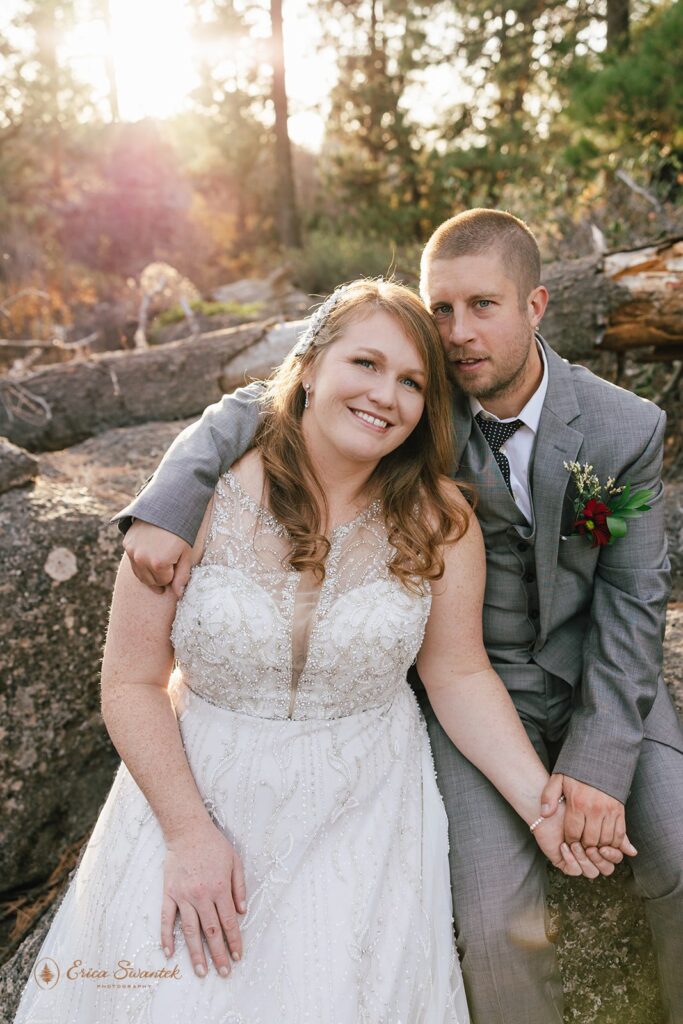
(318,320)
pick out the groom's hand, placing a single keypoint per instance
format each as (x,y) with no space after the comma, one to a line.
(158,558)
(593,818)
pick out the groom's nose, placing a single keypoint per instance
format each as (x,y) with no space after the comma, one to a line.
(460,328)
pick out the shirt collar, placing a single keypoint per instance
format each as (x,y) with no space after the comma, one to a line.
(531,413)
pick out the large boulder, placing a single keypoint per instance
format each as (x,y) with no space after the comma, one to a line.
(59,556)
(273,295)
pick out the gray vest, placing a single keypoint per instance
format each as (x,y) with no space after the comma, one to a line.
(511,604)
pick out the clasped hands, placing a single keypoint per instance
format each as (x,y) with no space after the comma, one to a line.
(586,833)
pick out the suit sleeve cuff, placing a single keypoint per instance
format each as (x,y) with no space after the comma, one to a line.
(609,769)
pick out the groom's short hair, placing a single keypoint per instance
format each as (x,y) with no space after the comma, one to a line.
(474,232)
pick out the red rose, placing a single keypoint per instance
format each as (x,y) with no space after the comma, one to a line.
(593,522)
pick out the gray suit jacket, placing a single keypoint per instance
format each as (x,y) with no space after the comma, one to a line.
(602,611)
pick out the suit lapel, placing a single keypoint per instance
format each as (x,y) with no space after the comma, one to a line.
(556,443)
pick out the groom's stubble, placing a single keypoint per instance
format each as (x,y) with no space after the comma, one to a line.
(512,369)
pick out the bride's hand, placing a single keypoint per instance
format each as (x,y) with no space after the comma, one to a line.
(574,860)
(204,881)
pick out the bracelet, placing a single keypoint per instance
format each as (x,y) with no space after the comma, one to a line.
(539,821)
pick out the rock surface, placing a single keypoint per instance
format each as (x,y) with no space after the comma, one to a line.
(261,358)
(274,295)
(54,596)
(57,762)
(17,467)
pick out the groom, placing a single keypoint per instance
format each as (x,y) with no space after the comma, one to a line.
(575,631)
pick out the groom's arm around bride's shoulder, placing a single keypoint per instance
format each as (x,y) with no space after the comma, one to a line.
(622,646)
(176,496)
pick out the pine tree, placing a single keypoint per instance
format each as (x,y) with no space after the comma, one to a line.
(375,152)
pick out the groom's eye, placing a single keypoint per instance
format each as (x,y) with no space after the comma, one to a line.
(442,311)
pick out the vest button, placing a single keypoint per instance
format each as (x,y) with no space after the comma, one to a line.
(522,546)
(534,613)
(529,577)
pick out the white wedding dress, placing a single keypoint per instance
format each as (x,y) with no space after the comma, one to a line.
(310,752)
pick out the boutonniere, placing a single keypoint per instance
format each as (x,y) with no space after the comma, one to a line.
(601,512)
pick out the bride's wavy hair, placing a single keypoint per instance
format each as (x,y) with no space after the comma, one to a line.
(420,517)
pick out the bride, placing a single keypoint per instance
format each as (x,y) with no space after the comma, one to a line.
(274,847)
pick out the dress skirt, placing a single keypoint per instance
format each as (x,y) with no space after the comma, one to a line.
(344,841)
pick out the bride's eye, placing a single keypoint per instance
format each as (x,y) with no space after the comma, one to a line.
(361,361)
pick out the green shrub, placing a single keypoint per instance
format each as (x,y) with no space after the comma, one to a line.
(174,314)
(328,259)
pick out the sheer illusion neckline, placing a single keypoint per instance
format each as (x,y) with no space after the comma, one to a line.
(264,513)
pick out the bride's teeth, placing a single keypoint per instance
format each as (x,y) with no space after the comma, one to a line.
(370,419)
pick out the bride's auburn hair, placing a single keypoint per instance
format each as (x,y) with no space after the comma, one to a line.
(420,515)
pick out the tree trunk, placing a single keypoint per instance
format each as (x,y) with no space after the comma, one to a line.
(47,38)
(618,22)
(109,62)
(287,215)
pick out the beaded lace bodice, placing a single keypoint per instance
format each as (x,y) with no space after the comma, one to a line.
(253,635)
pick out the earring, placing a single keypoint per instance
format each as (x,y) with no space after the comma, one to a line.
(307,388)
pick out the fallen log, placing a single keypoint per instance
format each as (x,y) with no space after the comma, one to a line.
(652,316)
(43,352)
(62,405)
(622,302)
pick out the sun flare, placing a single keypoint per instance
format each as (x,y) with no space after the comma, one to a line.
(156,58)
(153,57)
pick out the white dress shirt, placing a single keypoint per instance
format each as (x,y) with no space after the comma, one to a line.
(519,447)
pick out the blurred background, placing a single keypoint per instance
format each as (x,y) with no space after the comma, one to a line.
(230,138)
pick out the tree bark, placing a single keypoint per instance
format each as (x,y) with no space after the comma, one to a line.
(650,318)
(627,302)
(287,214)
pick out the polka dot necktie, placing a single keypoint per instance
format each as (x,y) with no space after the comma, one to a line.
(497,433)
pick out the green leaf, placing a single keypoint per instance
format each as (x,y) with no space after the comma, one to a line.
(618,502)
(643,495)
(616,526)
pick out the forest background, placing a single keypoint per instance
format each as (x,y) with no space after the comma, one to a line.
(567,114)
